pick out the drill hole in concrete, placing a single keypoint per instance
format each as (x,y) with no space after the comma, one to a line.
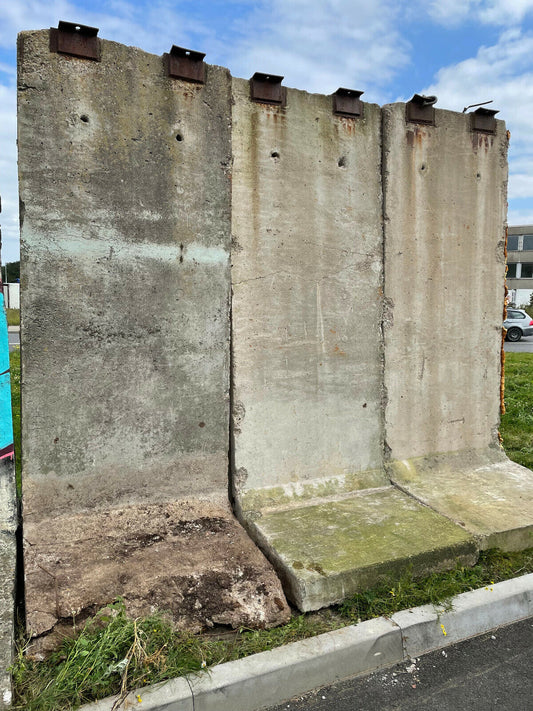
(179,137)
(275,156)
(423,167)
(342,162)
(84,118)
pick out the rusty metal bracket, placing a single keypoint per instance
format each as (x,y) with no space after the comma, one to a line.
(483,120)
(76,40)
(420,109)
(267,89)
(185,64)
(347,102)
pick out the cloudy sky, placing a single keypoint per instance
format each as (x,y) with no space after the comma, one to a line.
(464,51)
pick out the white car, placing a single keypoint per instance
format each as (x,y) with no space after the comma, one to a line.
(518,323)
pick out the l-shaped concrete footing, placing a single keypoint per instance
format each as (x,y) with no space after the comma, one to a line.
(440,510)
(271,677)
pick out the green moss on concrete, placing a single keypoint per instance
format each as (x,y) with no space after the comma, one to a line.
(327,551)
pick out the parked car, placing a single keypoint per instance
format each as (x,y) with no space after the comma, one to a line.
(518,323)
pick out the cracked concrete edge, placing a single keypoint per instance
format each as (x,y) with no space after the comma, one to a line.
(275,676)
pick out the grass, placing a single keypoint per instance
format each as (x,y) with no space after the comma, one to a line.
(516,426)
(13,317)
(114,654)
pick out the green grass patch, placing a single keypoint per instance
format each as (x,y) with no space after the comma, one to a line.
(113,654)
(516,426)
(437,589)
(13,317)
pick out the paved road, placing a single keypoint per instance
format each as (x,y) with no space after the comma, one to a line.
(493,672)
(14,340)
(523,346)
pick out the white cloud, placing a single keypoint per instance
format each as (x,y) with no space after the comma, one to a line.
(504,73)
(503,13)
(320,45)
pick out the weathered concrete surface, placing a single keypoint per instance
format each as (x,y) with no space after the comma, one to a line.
(125,360)
(125,195)
(483,491)
(444,207)
(8,558)
(308,358)
(330,549)
(307,281)
(191,560)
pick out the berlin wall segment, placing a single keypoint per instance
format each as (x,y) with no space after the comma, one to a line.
(125,194)
(445,201)
(126,186)
(308,428)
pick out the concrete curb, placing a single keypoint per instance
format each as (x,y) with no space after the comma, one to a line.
(272,677)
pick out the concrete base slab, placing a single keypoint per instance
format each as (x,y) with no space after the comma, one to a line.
(483,491)
(326,551)
(192,560)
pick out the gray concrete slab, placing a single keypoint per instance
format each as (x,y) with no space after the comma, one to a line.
(126,360)
(445,190)
(125,208)
(306,309)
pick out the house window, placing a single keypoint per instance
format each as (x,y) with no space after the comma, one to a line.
(511,271)
(512,243)
(528,243)
(527,271)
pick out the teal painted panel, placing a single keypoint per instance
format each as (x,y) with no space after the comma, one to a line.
(6,416)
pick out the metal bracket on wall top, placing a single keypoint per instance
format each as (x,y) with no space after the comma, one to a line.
(77,40)
(420,109)
(347,102)
(483,120)
(267,89)
(185,64)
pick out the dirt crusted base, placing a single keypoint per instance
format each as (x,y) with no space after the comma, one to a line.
(192,560)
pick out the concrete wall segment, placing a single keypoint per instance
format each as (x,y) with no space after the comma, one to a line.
(307,279)
(124,191)
(444,209)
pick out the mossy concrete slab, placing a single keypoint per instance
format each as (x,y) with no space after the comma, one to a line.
(326,551)
(483,491)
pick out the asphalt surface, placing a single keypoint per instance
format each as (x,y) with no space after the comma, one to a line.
(525,345)
(14,340)
(487,673)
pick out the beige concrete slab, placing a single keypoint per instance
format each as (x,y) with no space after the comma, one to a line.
(327,550)
(484,491)
(190,560)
